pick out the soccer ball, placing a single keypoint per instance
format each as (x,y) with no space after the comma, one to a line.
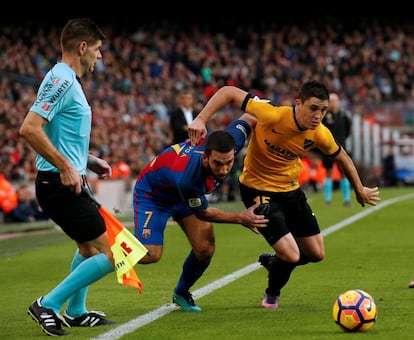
(355,311)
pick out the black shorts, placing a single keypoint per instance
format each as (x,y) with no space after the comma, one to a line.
(77,215)
(289,213)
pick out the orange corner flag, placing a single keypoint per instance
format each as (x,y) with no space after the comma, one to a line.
(126,248)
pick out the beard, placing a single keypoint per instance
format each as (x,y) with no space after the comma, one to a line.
(220,179)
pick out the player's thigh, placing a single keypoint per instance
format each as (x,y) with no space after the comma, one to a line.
(98,245)
(312,246)
(150,221)
(199,233)
(277,227)
(287,249)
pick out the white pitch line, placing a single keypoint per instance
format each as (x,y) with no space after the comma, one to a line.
(155,314)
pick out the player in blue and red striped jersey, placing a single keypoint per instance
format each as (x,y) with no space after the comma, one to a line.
(175,184)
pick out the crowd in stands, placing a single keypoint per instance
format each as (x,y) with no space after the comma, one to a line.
(146,65)
(18,204)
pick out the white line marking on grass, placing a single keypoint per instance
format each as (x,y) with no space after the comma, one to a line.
(155,314)
(364,213)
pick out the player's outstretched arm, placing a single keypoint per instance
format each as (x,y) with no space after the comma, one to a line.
(227,95)
(246,218)
(364,195)
(368,196)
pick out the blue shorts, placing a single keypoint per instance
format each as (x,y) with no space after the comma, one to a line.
(151,217)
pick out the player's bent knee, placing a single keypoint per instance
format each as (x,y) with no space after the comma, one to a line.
(148,259)
(153,256)
(289,257)
(317,257)
(207,250)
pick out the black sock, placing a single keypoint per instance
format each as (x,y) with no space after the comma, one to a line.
(303,260)
(280,272)
(279,275)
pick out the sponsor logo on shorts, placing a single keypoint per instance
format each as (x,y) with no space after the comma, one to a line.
(194,202)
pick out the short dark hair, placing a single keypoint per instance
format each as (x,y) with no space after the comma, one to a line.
(77,30)
(220,141)
(313,88)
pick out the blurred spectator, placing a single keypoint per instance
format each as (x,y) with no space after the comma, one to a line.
(367,61)
(27,209)
(312,173)
(389,172)
(182,116)
(121,170)
(8,198)
(338,121)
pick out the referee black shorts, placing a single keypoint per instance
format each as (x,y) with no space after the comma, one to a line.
(289,212)
(77,215)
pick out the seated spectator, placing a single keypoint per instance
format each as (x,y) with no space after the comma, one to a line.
(8,197)
(27,209)
(121,170)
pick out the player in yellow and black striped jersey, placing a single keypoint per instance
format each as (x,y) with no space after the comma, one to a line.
(282,135)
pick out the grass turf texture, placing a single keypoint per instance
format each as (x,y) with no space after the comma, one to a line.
(373,254)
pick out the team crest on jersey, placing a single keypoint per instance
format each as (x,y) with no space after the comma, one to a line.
(146,233)
(194,202)
(308,143)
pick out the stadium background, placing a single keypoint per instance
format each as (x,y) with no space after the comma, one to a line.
(152,53)
(363,255)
